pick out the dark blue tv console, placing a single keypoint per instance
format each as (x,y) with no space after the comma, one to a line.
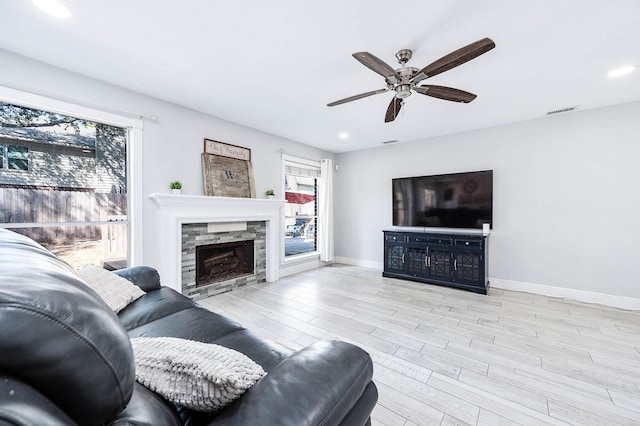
(452,260)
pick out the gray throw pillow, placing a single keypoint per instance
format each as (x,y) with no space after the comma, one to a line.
(117,292)
(196,375)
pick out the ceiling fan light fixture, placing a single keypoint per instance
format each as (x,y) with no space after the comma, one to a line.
(403,91)
(53,8)
(619,72)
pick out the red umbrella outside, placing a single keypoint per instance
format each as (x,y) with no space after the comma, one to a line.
(298,197)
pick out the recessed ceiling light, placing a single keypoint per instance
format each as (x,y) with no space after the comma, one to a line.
(53,8)
(622,71)
(343,135)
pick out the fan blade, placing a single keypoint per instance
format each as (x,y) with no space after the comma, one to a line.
(377,65)
(453,59)
(446,93)
(356,97)
(393,110)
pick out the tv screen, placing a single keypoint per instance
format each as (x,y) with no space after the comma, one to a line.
(457,200)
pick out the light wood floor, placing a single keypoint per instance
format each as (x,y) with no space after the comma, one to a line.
(450,357)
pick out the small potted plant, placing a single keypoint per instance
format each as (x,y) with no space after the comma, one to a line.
(176,187)
(270,193)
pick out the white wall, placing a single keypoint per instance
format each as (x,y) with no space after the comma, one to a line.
(171,145)
(566,203)
(565,198)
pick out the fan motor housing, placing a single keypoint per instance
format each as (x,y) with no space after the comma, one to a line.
(403,91)
(406,73)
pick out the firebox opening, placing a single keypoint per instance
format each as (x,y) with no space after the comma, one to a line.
(221,262)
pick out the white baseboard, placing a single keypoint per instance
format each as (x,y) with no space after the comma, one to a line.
(295,268)
(580,295)
(359,262)
(545,290)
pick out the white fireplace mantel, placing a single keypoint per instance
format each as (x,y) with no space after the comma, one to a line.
(174,210)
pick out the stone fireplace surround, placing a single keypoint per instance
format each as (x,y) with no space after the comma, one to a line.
(195,235)
(172,211)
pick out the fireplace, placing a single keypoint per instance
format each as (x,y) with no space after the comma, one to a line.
(221,262)
(221,257)
(182,222)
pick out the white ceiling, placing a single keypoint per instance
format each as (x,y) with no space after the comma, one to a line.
(274,65)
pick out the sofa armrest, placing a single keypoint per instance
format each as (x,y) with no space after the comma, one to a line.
(321,384)
(20,404)
(145,277)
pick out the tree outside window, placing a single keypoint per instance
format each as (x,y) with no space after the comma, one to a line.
(17,157)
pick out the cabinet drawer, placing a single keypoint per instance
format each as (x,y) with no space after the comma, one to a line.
(419,239)
(394,237)
(469,243)
(445,241)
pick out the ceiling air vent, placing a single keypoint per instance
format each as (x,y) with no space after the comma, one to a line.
(391,141)
(562,110)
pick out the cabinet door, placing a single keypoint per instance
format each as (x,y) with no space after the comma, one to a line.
(467,268)
(417,261)
(394,257)
(440,263)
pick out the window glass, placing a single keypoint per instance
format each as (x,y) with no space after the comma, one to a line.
(301,211)
(18,157)
(1,156)
(73,197)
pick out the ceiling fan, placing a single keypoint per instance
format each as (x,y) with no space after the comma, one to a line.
(405,79)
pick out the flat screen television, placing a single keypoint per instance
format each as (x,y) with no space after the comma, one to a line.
(456,200)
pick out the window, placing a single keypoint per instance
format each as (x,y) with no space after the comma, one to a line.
(1,156)
(301,207)
(17,157)
(133,151)
(77,201)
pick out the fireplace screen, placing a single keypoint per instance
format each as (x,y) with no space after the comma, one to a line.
(221,262)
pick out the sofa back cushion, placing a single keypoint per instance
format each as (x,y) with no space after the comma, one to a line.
(58,336)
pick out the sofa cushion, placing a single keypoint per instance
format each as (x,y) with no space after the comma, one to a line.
(319,385)
(200,376)
(58,336)
(116,291)
(145,277)
(167,313)
(266,353)
(147,408)
(193,323)
(20,404)
(152,306)
(202,325)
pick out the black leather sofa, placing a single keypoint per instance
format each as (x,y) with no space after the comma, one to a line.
(66,358)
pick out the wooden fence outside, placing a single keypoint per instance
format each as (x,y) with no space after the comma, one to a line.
(28,205)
